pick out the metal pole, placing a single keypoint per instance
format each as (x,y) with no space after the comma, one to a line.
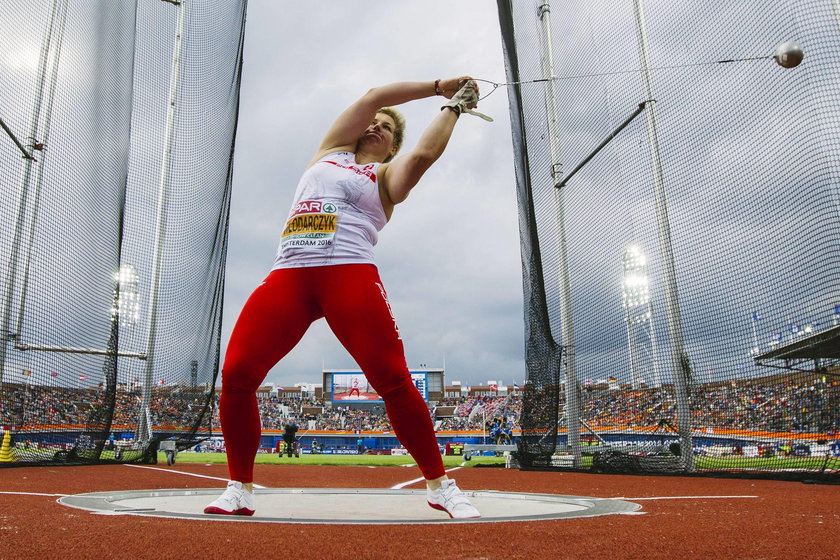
(39,171)
(144,429)
(23,347)
(567,335)
(17,142)
(654,358)
(633,372)
(6,313)
(593,153)
(483,425)
(25,400)
(679,359)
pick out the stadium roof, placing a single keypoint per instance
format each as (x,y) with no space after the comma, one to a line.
(824,345)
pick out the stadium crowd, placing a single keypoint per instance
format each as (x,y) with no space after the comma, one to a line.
(811,406)
(784,407)
(470,413)
(35,405)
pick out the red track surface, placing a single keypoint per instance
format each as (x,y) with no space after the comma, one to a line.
(786,520)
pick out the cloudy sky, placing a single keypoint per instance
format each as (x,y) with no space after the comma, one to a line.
(449,258)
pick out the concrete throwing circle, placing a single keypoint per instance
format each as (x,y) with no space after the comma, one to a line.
(361,506)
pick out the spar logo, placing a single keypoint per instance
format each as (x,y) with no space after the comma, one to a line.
(313,207)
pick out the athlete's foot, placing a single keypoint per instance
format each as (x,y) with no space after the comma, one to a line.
(236,500)
(450,499)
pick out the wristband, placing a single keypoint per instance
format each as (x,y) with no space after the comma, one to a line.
(437,88)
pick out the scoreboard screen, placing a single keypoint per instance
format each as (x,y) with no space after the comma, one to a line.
(354,387)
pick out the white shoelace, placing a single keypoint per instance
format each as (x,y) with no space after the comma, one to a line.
(452,496)
(230,497)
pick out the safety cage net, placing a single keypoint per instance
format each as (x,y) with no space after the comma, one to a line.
(677,175)
(118,128)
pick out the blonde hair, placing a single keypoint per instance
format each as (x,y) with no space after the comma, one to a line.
(399,129)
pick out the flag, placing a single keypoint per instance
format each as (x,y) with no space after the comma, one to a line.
(612,379)
(163,381)
(27,372)
(494,387)
(83,377)
(54,374)
(515,386)
(756,316)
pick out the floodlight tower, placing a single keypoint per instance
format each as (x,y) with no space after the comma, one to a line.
(638,317)
(126,309)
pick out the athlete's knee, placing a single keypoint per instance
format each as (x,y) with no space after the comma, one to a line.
(241,377)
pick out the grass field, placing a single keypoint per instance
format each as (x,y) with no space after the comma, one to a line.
(702,463)
(768,463)
(358,460)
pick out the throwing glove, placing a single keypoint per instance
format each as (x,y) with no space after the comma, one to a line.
(464,100)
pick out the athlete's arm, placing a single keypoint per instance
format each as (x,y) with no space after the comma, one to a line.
(350,124)
(401,175)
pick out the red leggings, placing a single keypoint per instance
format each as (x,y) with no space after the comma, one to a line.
(273,321)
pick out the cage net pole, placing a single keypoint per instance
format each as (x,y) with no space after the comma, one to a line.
(6,336)
(567,331)
(679,359)
(39,171)
(144,428)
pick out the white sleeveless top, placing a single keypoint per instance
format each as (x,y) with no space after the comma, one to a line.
(335,216)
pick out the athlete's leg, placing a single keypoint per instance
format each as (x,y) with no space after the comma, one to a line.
(357,309)
(271,323)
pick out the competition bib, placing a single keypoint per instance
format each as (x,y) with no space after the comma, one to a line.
(311,224)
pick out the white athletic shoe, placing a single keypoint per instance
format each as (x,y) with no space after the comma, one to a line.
(450,499)
(235,500)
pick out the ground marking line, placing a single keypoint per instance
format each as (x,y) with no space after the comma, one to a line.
(184,473)
(34,494)
(410,482)
(686,498)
